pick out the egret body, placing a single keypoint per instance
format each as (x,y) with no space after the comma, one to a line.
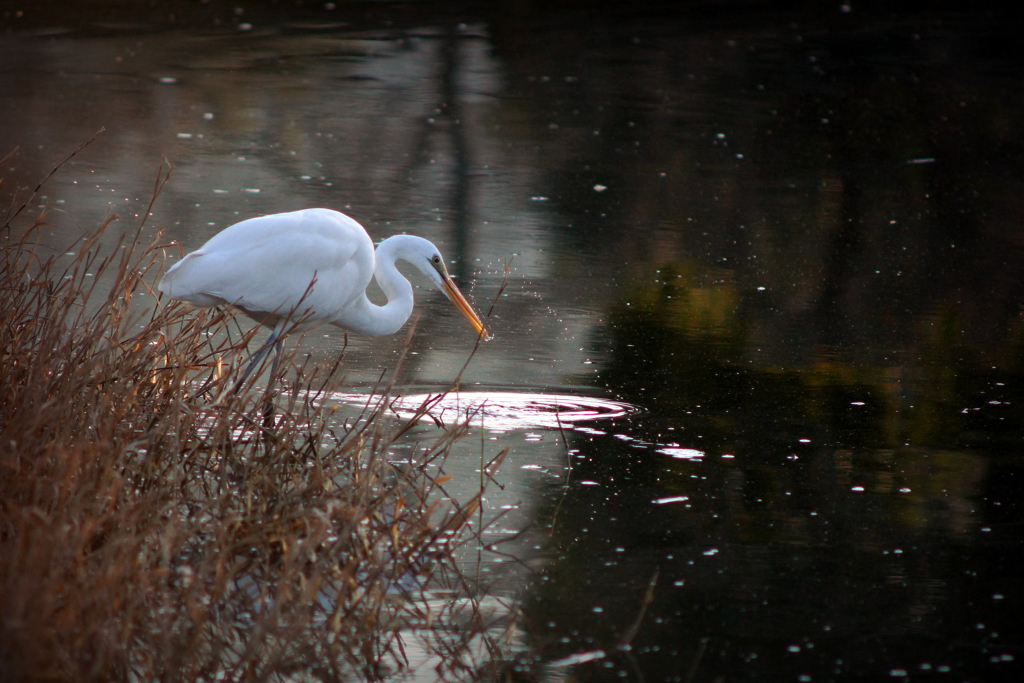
(295,271)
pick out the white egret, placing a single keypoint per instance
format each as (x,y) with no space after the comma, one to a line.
(294,271)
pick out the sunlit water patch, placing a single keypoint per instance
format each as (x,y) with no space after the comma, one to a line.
(503,411)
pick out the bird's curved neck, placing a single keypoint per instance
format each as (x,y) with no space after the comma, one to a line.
(366,317)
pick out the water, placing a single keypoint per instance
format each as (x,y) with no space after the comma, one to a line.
(779,256)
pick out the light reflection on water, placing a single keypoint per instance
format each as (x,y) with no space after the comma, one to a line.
(502,411)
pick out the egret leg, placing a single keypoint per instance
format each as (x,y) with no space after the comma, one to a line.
(272,341)
(277,357)
(268,407)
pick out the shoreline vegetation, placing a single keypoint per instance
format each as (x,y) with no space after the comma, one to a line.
(155,525)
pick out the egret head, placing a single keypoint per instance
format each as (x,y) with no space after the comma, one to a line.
(438,273)
(427,259)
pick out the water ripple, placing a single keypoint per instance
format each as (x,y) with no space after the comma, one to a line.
(504,411)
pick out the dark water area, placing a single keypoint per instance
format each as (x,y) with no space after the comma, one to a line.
(790,237)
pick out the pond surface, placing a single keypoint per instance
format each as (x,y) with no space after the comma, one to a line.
(758,356)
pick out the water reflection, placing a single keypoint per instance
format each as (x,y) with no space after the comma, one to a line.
(501,411)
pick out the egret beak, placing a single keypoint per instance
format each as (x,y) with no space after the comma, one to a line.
(453,294)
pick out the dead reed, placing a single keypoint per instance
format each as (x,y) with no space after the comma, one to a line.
(154,526)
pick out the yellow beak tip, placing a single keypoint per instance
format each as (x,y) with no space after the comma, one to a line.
(467,311)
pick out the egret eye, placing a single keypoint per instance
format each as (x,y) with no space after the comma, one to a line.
(436,259)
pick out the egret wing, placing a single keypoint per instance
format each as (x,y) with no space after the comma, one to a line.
(304,265)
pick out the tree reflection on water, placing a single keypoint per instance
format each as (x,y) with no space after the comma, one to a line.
(845,518)
(821,296)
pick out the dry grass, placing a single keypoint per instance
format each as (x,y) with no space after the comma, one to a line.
(155,526)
